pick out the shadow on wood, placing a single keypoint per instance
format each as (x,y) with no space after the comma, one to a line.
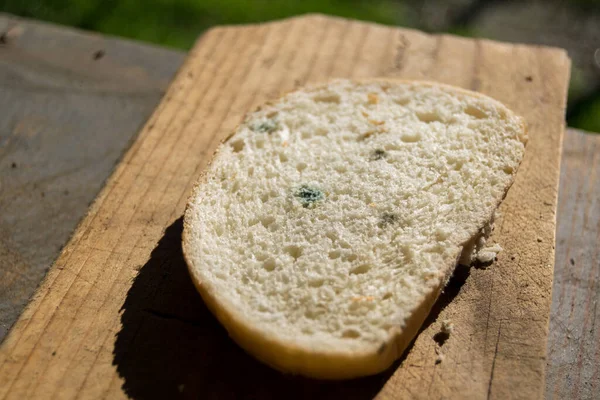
(170,345)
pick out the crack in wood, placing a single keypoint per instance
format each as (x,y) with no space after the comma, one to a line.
(475,80)
(489,392)
(401,49)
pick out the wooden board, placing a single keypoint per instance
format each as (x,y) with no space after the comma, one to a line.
(574,340)
(70,105)
(116,315)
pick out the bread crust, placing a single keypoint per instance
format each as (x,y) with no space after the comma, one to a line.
(289,357)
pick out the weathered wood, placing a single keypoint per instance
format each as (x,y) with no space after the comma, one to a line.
(71,103)
(574,340)
(71,340)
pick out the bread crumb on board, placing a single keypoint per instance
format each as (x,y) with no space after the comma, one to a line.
(476,251)
(440,357)
(447,326)
(488,254)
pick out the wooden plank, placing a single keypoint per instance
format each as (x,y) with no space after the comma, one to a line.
(117,314)
(574,339)
(71,104)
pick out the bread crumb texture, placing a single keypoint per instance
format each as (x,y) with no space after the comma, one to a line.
(330,214)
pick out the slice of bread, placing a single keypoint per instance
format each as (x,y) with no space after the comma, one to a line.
(328,223)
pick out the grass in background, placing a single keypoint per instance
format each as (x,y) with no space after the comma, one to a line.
(588,118)
(177,23)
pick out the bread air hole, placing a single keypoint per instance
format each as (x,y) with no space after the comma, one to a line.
(221,276)
(349,257)
(263,308)
(320,131)
(361,269)
(346,245)
(238,145)
(402,101)
(327,98)
(387,296)
(261,256)
(410,137)
(269,265)
(316,282)
(475,112)
(334,254)
(301,166)
(267,220)
(429,116)
(340,168)
(508,169)
(458,165)
(294,251)
(282,157)
(351,334)
(332,235)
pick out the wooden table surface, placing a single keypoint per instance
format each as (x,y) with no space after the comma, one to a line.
(71,104)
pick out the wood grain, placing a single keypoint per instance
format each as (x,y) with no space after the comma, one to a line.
(116,315)
(71,103)
(574,339)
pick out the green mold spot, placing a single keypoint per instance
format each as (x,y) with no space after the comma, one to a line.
(308,195)
(266,126)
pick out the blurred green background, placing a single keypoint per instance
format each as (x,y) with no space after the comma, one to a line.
(573,25)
